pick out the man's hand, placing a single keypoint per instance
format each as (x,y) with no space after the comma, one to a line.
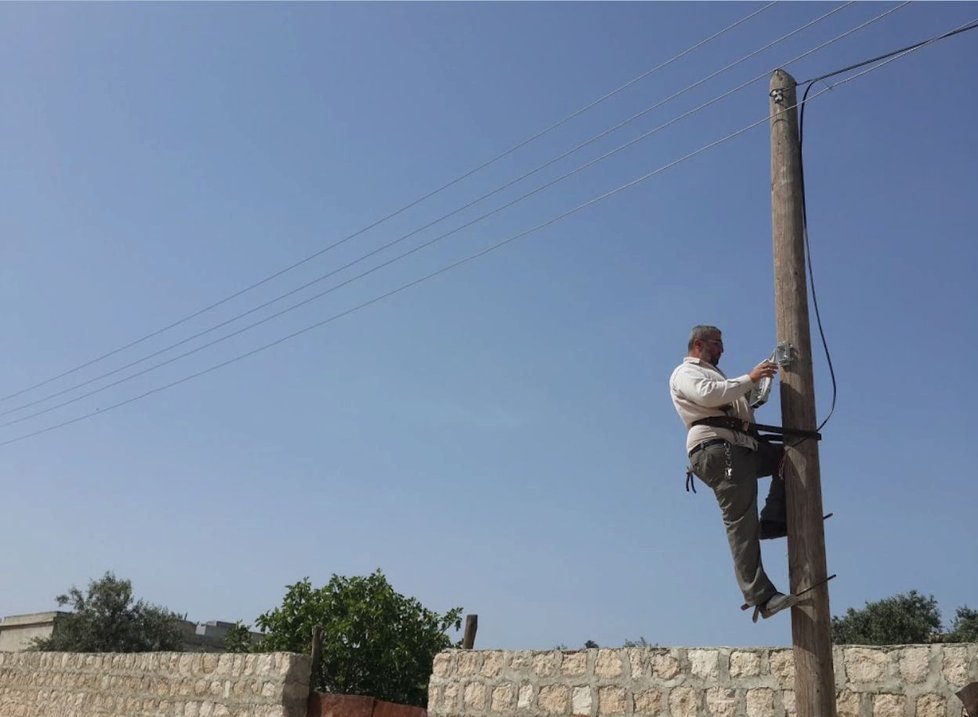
(765,369)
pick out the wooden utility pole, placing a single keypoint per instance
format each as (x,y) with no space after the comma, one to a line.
(811,626)
(471,625)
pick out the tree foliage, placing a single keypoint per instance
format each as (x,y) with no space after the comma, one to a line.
(375,641)
(965,626)
(239,639)
(903,619)
(108,619)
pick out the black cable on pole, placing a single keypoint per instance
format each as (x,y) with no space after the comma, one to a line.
(808,256)
(882,59)
(957,31)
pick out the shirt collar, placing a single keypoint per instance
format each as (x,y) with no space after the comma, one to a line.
(698,362)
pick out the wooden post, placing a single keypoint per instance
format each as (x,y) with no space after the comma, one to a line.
(471,625)
(811,626)
(317,655)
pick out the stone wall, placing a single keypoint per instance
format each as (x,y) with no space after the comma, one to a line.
(897,681)
(154,684)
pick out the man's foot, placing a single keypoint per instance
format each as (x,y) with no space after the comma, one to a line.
(772,529)
(775,604)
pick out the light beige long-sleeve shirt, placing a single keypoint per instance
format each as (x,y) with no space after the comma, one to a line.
(699,390)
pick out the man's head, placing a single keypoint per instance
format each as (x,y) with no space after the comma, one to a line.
(706,343)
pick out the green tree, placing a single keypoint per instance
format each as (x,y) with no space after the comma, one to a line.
(375,641)
(239,639)
(640,642)
(108,619)
(903,619)
(965,626)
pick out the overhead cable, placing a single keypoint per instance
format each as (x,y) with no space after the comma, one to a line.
(440,271)
(415,249)
(402,209)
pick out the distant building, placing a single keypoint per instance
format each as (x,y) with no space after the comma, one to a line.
(18,632)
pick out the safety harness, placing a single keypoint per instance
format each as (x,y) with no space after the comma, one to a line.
(772,434)
(732,423)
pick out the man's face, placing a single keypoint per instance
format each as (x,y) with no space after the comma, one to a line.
(711,349)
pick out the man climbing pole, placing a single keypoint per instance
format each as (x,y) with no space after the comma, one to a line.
(728,456)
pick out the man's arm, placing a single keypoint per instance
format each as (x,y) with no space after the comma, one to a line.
(712,391)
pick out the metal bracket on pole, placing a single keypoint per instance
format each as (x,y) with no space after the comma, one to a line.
(785,354)
(777,95)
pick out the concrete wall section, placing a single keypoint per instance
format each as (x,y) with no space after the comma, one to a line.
(157,684)
(897,681)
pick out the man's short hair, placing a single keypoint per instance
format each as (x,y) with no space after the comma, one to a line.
(701,333)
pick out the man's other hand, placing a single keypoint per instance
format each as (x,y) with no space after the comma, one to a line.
(765,369)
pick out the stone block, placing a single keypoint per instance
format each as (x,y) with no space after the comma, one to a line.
(185,664)
(639,662)
(469,663)
(956,668)
(721,702)
(581,700)
(612,701)
(524,698)
(788,700)
(704,664)
(521,662)
(493,664)
(450,697)
(547,664)
(865,664)
(650,703)
(684,702)
(665,665)
(782,666)
(847,704)
(608,665)
(889,705)
(474,697)
(209,663)
(745,663)
(759,702)
(444,665)
(914,664)
(503,698)
(574,664)
(554,699)
(931,706)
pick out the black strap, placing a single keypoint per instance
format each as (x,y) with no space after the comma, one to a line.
(731,423)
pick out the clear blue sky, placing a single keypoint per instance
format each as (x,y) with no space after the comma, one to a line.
(501,436)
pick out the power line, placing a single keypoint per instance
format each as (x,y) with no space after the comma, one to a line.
(430,242)
(887,57)
(402,209)
(435,273)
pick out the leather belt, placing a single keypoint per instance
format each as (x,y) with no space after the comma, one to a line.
(706,444)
